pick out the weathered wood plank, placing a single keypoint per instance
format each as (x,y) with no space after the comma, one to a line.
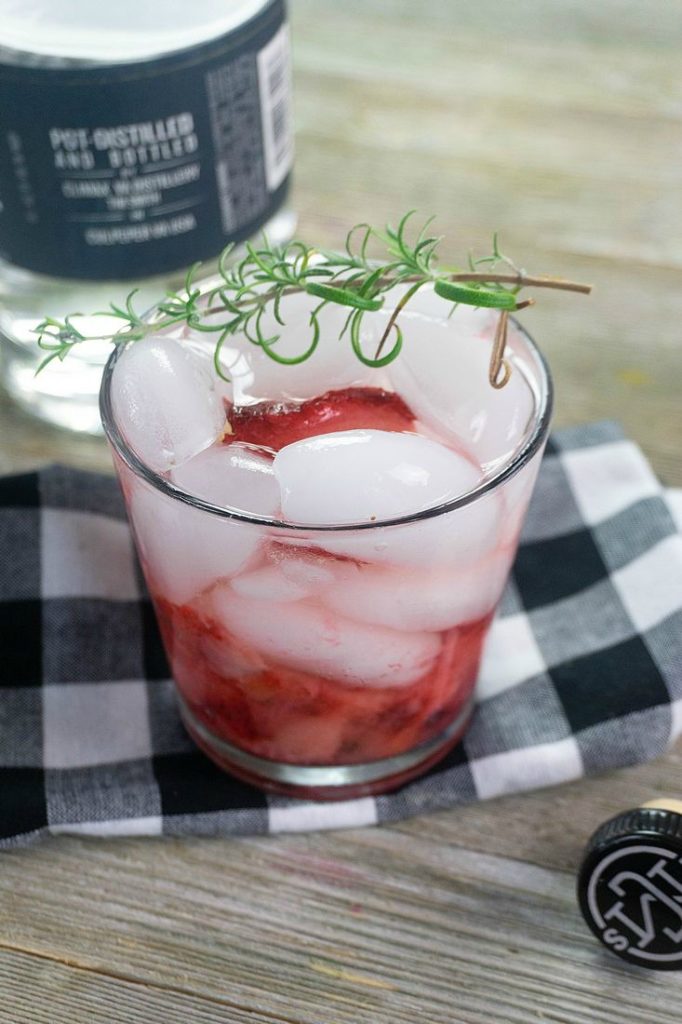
(372,925)
(45,990)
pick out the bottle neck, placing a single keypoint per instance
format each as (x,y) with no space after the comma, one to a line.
(79,33)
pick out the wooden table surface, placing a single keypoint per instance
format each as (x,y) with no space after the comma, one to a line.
(559,125)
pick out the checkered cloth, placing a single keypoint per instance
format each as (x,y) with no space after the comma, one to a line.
(582,672)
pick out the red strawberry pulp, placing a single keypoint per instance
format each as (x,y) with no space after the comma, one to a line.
(285,715)
(277,424)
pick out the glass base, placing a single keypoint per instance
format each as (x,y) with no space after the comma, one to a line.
(325,782)
(67,394)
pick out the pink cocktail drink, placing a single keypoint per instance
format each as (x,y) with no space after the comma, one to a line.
(325,544)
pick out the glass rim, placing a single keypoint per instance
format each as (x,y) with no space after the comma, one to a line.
(511,467)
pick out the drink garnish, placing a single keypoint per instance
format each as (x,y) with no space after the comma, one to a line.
(357,278)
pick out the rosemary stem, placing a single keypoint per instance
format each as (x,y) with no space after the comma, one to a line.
(394,316)
(522,279)
(559,283)
(497,360)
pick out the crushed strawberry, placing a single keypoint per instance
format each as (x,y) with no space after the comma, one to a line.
(276,424)
(280,713)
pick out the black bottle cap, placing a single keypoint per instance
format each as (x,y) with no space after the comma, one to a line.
(630,885)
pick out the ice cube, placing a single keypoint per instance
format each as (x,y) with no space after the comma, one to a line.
(305,568)
(311,639)
(288,576)
(361,476)
(164,402)
(408,600)
(227,658)
(442,374)
(366,476)
(184,550)
(201,344)
(255,376)
(269,584)
(232,476)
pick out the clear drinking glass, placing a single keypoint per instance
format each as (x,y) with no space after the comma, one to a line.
(364,676)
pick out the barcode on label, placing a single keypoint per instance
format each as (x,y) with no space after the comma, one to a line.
(274,79)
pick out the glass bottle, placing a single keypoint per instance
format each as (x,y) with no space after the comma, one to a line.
(135,139)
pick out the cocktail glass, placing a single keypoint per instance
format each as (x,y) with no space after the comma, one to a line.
(330,658)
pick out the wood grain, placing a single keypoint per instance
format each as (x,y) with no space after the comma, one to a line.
(456,917)
(560,126)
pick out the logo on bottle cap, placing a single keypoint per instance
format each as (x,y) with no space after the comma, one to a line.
(630,887)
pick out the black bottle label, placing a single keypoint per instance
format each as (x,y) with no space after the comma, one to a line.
(129,170)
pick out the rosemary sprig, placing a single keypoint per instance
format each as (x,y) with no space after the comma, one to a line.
(354,278)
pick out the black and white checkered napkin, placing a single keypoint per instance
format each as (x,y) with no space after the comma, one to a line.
(582,672)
